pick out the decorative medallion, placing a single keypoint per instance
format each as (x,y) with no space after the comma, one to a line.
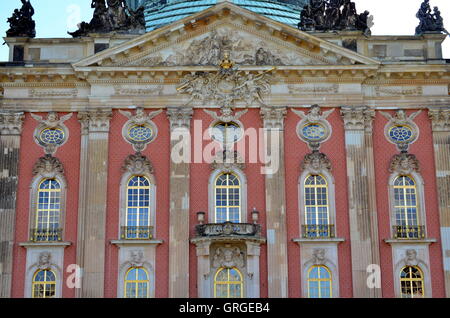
(51,132)
(401,129)
(314,128)
(139,130)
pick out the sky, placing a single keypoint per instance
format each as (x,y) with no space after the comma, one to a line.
(55,17)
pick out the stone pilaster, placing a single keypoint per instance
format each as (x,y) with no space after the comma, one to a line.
(92,201)
(273,118)
(440,118)
(10,131)
(361,197)
(180,119)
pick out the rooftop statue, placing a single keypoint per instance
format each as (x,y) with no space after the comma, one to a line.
(334,15)
(429,21)
(21,24)
(110,16)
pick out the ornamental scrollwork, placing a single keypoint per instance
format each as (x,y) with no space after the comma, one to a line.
(316,162)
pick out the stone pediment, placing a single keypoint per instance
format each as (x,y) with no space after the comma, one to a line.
(203,38)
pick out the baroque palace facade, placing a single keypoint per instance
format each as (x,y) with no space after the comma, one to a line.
(329,174)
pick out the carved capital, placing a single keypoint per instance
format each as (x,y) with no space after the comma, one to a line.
(440,118)
(48,167)
(138,164)
(358,118)
(11,123)
(95,121)
(273,117)
(180,117)
(404,163)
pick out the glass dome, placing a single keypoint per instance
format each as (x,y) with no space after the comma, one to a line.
(162,12)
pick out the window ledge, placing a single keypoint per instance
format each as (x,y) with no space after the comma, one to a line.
(336,240)
(407,241)
(45,244)
(136,242)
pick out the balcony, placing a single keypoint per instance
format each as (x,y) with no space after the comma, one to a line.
(228,229)
(408,232)
(318,231)
(46,235)
(136,232)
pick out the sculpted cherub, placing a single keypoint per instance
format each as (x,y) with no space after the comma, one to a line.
(400,116)
(314,115)
(140,116)
(226,114)
(52,120)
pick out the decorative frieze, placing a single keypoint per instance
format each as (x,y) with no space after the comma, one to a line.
(273,117)
(440,118)
(358,118)
(180,117)
(48,93)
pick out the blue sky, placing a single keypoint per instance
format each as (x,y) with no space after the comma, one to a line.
(55,17)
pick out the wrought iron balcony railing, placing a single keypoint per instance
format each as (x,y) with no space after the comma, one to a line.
(227,229)
(136,232)
(46,235)
(409,232)
(312,231)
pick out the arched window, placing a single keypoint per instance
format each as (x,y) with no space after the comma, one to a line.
(316,207)
(136,283)
(319,282)
(227,198)
(47,223)
(228,283)
(44,284)
(406,208)
(411,282)
(138,208)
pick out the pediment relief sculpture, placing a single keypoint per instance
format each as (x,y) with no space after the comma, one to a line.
(226,86)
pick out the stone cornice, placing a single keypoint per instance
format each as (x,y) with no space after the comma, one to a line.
(358,118)
(11,123)
(440,118)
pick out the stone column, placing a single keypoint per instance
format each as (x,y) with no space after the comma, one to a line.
(440,118)
(273,118)
(361,197)
(10,130)
(92,201)
(180,120)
